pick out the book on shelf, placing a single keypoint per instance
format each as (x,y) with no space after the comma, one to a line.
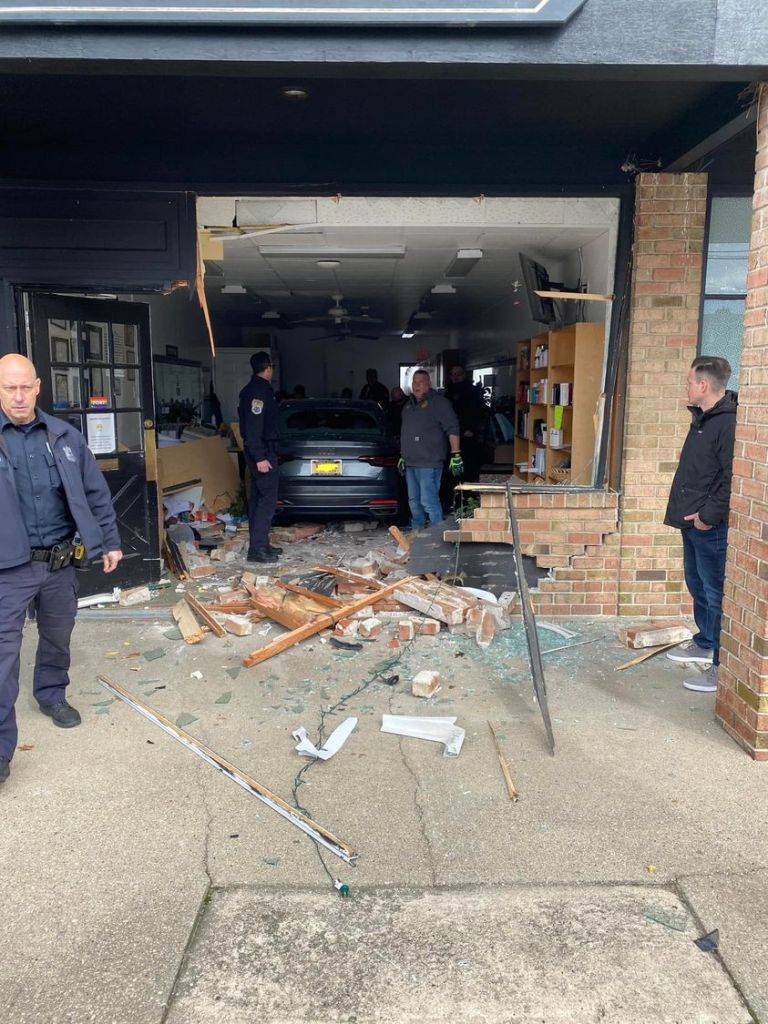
(562,394)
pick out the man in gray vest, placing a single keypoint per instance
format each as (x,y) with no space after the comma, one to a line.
(50,489)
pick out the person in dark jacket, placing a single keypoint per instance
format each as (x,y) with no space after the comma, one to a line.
(467,400)
(373,390)
(698,506)
(50,490)
(429,426)
(257,412)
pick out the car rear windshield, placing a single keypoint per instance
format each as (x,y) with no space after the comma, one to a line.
(326,422)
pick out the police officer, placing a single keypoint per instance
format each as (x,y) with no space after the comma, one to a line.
(257,411)
(50,489)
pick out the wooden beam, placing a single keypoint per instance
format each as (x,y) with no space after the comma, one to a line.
(644,657)
(190,628)
(321,623)
(580,296)
(285,615)
(505,770)
(205,616)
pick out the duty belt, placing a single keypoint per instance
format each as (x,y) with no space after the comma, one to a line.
(57,557)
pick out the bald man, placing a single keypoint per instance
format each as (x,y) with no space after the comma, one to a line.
(50,490)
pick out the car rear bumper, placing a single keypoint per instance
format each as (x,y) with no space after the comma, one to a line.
(335,498)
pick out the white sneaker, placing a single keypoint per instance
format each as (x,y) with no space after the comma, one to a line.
(689,651)
(705,682)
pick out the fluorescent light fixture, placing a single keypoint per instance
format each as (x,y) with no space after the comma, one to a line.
(303,252)
(271,314)
(328,264)
(408,334)
(234,289)
(444,289)
(464,261)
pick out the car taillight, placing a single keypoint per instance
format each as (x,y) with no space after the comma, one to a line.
(379,460)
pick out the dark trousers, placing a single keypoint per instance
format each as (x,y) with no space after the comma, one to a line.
(262,503)
(55,594)
(704,565)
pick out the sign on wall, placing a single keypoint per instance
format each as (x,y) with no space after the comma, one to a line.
(510,13)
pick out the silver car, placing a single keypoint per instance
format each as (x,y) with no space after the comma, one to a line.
(337,458)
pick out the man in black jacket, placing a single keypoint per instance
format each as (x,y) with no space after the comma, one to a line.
(257,412)
(698,507)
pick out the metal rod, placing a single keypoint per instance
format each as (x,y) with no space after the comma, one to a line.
(301,821)
(529,620)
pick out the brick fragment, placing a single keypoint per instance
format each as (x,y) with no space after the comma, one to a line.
(486,630)
(425,683)
(369,627)
(406,630)
(346,627)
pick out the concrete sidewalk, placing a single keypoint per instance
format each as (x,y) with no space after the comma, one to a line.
(141,886)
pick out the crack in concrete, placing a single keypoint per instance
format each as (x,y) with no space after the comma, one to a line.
(420,814)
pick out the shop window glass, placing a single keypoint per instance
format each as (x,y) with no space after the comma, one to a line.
(62,337)
(722,325)
(126,388)
(65,387)
(98,389)
(729,230)
(130,437)
(95,339)
(125,339)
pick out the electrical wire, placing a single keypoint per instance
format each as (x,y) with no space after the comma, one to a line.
(376,674)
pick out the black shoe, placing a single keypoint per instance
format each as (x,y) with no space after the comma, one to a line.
(63,715)
(263,555)
(5,769)
(273,550)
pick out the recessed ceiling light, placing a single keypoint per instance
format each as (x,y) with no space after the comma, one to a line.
(408,334)
(328,264)
(234,289)
(294,93)
(422,315)
(444,289)
(271,314)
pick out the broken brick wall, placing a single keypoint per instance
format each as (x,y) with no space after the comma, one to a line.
(670,215)
(575,535)
(742,692)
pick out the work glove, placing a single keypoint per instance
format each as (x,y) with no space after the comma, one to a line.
(401,466)
(456,464)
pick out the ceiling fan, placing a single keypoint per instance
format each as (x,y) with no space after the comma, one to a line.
(339,316)
(345,331)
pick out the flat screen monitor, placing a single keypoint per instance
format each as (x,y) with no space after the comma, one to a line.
(536,278)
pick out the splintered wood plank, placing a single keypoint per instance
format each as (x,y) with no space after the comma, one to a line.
(188,625)
(321,599)
(204,616)
(400,539)
(321,623)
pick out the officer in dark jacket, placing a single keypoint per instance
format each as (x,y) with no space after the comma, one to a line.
(257,411)
(469,405)
(698,507)
(50,489)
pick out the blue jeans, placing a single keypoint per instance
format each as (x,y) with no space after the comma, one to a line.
(704,566)
(424,495)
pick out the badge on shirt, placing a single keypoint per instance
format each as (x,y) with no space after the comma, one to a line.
(424,404)
(257,406)
(69,453)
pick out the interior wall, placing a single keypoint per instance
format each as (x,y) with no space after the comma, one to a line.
(177,320)
(326,367)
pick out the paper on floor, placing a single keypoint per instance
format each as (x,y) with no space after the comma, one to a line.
(332,745)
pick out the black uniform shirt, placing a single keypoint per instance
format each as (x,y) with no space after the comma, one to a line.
(44,507)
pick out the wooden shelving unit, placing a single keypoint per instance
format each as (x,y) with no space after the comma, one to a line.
(559,379)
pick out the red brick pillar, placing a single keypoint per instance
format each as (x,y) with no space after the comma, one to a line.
(742,695)
(670,212)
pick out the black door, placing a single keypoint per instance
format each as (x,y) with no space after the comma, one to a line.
(94,361)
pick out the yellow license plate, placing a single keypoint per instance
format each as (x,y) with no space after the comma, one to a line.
(330,468)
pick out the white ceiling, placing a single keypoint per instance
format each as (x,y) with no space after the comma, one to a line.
(392,288)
